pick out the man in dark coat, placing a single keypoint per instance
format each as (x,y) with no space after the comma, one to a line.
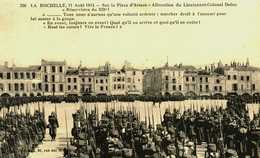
(53,125)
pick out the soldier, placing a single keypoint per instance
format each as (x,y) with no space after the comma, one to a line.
(53,125)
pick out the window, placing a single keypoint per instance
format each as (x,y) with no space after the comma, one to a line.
(101,81)
(217,81)
(15,75)
(253,87)
(180,87)
(215,88)
(187,79)
(247,78)
(75,87)
(234,87)
(118,79)
(45,69)
(228,77)
(89,79)
(96,81)
(22,75)
(53,88)
(118,86)
(235,77)
(207,88)
(22,87)
(40,86)
(101,88)
(207,79)
(46,78)
(61,69)
(69,87)
(46,88)
(75,80)
(28,75)
(200,88)
(220,88)
(114,79)
(134,73)
(106,87)
(114,86)
(193,79)
(16,87)
(106,80)
(174,80)
(242,87)
(61,87)
(1,87)
(83,79)
(53,78)
(242,78)
(1,75)
(166,86)
(9,87)
(69,80)
(123,86)
(33,75)
(8,75)
(174,87)
(200,79)
(53,69)
(166,78)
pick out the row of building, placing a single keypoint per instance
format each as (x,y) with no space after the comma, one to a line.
(57,78)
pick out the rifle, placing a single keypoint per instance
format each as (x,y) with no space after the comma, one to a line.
(43,111)
(149,121)
(67,136)
(153,118)
(97,114)
(160,114)
(222,138)
(145,115)
(86,110)
(56,111)
(39,109)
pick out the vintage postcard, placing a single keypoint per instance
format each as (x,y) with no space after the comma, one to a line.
(129,79)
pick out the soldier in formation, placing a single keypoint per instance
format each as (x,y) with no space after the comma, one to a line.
(20,133)
(222,132)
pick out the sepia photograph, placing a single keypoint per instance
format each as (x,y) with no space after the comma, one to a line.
(129,79)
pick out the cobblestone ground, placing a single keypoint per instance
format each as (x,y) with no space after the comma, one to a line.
(53,149)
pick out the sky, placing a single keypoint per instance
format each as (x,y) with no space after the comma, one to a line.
(232,37)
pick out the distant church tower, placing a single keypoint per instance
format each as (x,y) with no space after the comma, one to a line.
(247,62)
(220,65)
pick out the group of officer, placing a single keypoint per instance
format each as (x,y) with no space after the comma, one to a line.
(224,133)
(20,133)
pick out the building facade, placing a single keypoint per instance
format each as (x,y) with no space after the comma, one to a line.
(20,81)
(218,81)
(53,77)
(57,78)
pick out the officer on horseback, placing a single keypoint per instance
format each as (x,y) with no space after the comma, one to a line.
(53,125)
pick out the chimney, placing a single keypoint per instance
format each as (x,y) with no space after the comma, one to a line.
(6,63)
